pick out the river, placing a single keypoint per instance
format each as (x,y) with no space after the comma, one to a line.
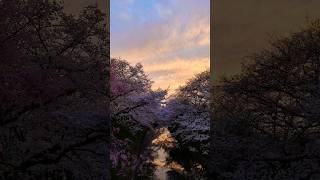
(160,147)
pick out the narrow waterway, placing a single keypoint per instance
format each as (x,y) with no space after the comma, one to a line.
(160,147)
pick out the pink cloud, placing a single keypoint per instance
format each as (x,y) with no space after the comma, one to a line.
(161,46)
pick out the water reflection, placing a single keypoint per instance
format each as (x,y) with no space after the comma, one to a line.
(160,148)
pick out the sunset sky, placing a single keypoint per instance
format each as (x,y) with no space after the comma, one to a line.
(170,38)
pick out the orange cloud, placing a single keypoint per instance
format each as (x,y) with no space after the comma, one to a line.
(172,49)
(176,72)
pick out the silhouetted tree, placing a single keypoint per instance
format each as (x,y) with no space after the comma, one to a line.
(53,92)
(266,119)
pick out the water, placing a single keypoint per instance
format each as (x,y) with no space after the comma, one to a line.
(161,169)
(160,147)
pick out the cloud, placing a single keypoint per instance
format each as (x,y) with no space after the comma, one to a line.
(124,15)
(162,10)
(175,72)
(127,1)
(162,40)
(171,47)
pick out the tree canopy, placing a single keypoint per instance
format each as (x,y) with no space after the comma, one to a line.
(188,114)
(266,119)
(53,91)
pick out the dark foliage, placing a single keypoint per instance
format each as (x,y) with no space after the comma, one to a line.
(53,92)
(266,119)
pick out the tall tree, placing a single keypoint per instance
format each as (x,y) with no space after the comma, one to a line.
(266,120)
(54,71)
(188,115)
(135,114)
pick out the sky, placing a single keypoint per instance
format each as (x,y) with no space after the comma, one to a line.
(170,38)
(241,28)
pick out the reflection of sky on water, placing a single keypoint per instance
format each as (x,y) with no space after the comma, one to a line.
(161,171)
(160,146)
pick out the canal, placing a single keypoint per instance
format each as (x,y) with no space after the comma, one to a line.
(165,168)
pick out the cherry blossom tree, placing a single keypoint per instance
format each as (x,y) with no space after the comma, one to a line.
(266,119)
(188,116)
(53,93)
(134,112)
